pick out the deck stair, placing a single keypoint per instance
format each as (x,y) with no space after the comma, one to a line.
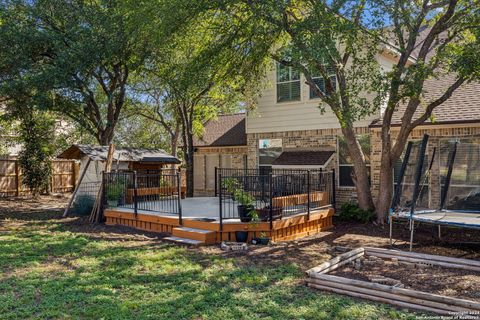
(199,236)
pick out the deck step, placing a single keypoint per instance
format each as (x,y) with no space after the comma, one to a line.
(180,240)
(206,236)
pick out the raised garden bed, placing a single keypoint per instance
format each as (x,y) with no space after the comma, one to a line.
(430,283)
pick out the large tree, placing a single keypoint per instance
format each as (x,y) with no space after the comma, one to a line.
(197,76)
(320,38)
(75,57)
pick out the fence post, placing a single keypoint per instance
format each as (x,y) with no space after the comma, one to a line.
(103,194)
(308,195)
(220,195)
(135,190)
(334,195)
(270,214)
(216,181)
(179,190)
(17,179)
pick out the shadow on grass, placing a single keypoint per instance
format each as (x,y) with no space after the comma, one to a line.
(113,280)
(65,268)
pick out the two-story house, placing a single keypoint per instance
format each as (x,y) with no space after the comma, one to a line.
(287,130)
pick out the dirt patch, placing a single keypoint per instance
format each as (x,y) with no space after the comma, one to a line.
(18,207)
(433,279)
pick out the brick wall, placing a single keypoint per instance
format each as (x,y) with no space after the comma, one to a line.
(324,139)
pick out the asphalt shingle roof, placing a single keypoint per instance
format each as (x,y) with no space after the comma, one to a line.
(99,153)
(226,130)
(462,107)
(305,158)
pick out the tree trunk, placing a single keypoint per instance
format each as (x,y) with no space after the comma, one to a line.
(105,137)
(174,143)
(385,187)
(189,162)
(362,181)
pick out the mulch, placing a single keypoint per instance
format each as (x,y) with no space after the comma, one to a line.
(433,279)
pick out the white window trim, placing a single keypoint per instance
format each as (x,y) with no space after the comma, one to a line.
(337,174)
(283,82)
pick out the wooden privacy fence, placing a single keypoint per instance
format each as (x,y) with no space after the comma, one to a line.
(64,177)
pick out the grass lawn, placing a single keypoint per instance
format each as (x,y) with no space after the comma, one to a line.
(52,269)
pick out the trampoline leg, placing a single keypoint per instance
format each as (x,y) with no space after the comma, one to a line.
(391,229)
(412,225)
(440,232)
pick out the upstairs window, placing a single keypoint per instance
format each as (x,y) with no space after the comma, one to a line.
(320,82)
(288,84)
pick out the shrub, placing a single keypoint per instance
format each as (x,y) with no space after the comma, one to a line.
(350,211)
(83,204)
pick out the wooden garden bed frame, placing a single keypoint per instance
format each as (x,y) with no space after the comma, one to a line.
(406,298)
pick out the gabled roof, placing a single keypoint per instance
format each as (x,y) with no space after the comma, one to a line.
(99,153)
(303,158)
(226,130)
(462,107)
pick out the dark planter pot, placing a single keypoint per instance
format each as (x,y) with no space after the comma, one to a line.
(262,241)
(244,213)
(241,236)
(264,214)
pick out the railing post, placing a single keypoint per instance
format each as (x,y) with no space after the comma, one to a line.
(308,195)
(334,195)
(216,181)
(179,196)
(220,195)
(135,193)
(270,213)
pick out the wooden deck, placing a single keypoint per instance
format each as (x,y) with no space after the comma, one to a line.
(289,228)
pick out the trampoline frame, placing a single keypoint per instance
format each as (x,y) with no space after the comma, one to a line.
(412,215)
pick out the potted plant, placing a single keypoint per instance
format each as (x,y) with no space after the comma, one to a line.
(262,239)
(246,209)
(231,184)
(115,193)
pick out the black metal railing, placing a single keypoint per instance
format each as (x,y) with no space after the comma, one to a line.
(158,191)
(270,195)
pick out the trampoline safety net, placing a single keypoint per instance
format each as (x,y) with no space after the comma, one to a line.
(464,189)
(449,177)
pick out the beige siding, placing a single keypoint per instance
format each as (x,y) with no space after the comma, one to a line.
(270,116)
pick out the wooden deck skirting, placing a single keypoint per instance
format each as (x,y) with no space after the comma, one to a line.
(290,228)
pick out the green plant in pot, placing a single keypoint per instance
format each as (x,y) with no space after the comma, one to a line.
(262,239)
(246,209)
(246,212)
(231,184)
(115,193)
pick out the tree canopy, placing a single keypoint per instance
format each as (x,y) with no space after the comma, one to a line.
(74,57)
(320,38)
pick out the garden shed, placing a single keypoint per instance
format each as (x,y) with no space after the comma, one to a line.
(92,160)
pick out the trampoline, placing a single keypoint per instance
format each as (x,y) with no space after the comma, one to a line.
(438,185)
